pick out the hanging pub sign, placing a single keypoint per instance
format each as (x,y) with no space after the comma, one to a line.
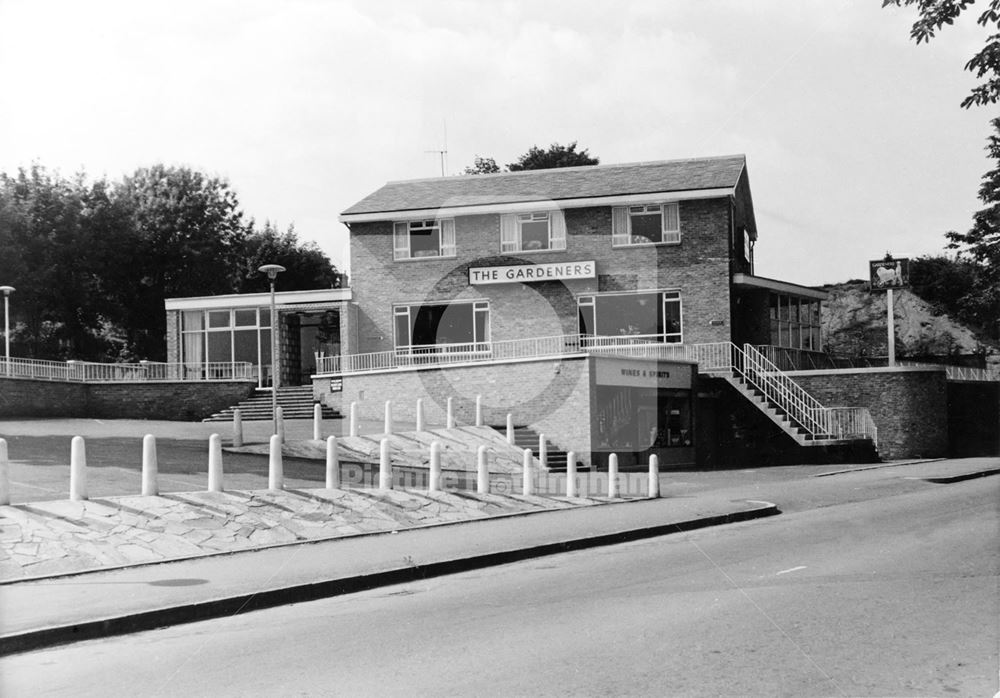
(526,273)
(889,273)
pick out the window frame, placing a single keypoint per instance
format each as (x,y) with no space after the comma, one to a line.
(512,236)
(667,296)
(670,224)
(402,233)
(480,308)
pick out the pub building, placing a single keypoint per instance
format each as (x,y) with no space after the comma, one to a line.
(586,301)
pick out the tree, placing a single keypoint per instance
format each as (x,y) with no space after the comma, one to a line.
(556,156)
(983,240)
(483,166)
(934,14)
(306,266)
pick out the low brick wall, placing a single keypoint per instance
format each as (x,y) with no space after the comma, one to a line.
(909,404)
(551,396)
(185,401)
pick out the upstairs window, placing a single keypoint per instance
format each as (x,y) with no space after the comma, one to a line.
(531,232)
(646,224)
(418,239)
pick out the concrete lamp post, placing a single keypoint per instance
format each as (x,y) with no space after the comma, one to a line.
(7,290)
(272,271)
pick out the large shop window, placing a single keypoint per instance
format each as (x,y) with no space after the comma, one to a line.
(528,232)
(653,316)
(649,224)
(419,239)
(451,327)
(795,322)
(224,336)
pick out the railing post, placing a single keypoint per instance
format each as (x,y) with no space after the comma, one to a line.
(543,452)
(388,417)
(434,483)
(479,410)
(527,482)
(149,466)
(510,428)
(317,422)
(654,476)
(332,464)
(420,414)
(78,469)
(214,463)
(482,472)
(275,466)
(613,475)
(571,474)
(4,474)
(450,415)
(353,426)
(237,428)
(384,466)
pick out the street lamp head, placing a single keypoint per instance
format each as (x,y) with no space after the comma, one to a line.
(7,290)
(272,270)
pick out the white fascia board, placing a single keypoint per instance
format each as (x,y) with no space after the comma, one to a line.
(779,286)
(259,300)
(541,205)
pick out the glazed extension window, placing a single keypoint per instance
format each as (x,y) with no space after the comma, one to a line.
(527,232)
(646,224)
(419,239)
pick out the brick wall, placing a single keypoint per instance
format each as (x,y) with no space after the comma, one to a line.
(173,336)
(698,267)
(551,396)
(185,401)
(908,404)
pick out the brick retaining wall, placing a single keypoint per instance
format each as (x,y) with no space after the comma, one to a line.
(909,405)
(146,400)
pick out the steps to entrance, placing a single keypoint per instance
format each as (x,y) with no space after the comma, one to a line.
(296,402)
(526,437)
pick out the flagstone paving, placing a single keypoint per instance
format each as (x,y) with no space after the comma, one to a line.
(61,537)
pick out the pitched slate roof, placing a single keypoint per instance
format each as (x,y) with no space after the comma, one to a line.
(554,185)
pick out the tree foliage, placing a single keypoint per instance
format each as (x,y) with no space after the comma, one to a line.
(92,262)
(536,159)
(935,14)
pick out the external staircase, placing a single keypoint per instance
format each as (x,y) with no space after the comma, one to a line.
(296,402)
(526,437)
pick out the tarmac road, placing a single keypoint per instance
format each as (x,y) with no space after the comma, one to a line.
(889,596)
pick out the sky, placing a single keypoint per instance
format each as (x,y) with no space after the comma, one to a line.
(855,141)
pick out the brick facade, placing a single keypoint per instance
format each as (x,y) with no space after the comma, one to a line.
(147,400)
(908,404)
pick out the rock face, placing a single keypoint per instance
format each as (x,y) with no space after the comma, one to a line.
(854,323)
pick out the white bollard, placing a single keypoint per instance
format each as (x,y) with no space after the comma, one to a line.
(479,410)
(149,466)
(450,416)
(434,485)
(388,417)
(384,466)
(527,482)
(317,422)
(215,463)
(482,472)
(420,414)
(332,464)
(613,475)
(281,423)
(571,474)
(275,467)
(510,429)
(78,469)
(4,473)
(353,426)
(237,428)
(543,451)
(654,476)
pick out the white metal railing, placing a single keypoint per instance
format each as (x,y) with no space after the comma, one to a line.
(960,373)
(93,372)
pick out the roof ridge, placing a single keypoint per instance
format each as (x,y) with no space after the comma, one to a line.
(640,163)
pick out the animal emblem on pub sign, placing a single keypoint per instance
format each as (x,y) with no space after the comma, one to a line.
(889,273)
